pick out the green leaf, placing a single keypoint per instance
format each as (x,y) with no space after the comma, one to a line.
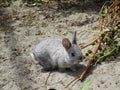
(118,30)
(86,85)
(102,34)
(89,51)
(107,53)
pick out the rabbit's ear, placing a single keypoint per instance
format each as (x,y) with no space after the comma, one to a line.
(66,43)
(74,41)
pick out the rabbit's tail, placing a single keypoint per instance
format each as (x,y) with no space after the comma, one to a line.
(32,55)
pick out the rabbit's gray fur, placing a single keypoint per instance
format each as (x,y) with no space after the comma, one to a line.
(51,54)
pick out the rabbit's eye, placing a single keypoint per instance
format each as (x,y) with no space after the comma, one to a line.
(73,54)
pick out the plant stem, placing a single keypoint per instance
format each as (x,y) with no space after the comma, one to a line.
(90,43)
(90,62)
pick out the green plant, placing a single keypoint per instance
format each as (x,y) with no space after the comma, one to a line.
(86,85)
(107,43)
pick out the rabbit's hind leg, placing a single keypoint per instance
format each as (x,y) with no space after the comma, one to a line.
(47,66)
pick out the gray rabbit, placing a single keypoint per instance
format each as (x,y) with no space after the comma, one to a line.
(55,53)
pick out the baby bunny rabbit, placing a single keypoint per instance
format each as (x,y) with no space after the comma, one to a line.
(55,53)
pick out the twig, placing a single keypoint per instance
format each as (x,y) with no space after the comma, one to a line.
(47,78)
(115,13)
(76,78)
(95,51)
(90,43)
(89,63)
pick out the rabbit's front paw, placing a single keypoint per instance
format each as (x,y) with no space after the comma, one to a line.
(74,68)
(62,69)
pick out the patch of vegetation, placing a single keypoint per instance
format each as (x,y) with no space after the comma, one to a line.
(107,43)
(109,36)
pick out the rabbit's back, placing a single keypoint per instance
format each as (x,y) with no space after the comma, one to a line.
(48,45)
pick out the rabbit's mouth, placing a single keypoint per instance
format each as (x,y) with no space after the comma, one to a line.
(76,62)
(80,59)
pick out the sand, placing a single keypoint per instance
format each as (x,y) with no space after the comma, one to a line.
(22,28)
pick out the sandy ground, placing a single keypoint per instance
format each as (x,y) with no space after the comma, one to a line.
(21,28)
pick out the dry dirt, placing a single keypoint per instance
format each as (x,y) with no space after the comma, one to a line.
(22,27)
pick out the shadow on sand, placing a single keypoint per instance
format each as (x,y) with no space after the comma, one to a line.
(12,43)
